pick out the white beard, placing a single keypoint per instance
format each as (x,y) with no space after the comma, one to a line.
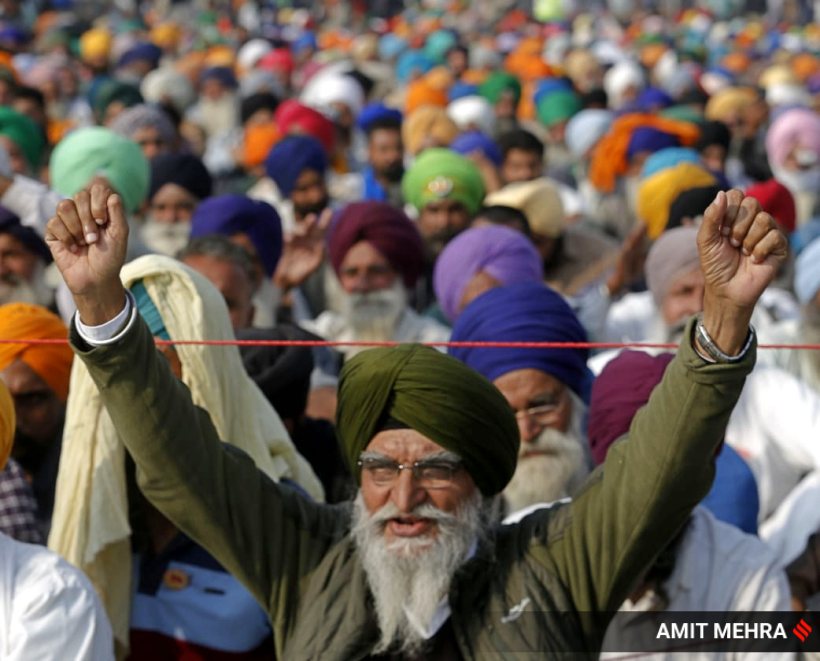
(14,289)
(219,116)
(373,317)
(556,474)
(409,577)
(165,238)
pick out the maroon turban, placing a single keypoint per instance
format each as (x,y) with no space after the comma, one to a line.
(622,388)
(390,231)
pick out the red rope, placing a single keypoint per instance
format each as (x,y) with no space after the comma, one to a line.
(465,345)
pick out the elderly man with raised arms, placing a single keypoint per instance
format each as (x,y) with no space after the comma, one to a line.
(413,569)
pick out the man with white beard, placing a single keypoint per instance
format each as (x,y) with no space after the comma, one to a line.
(547,388)
(24,257)
(377,254)
(421,430)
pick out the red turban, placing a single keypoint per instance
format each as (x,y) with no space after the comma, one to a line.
(776,200)
(52,362)
(390,231)
(293,117)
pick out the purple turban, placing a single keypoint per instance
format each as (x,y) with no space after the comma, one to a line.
(390,231)
(501,252)
(525,312)
(646,138)
(290,157)
(236,214)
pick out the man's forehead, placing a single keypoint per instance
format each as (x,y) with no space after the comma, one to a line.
(19,377)
(403,444)
(522,384)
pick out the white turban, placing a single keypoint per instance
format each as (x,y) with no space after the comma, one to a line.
(167,84)
(621,77)
(585,129)
(325,89)
(473,112)
(249,55)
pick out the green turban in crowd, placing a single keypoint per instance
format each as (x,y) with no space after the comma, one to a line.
(497,83)
(112,91)
(558,106)
(85,153)
(441,174)
(436,395)
(24,133)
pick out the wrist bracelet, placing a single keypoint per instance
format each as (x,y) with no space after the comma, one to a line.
(709,346)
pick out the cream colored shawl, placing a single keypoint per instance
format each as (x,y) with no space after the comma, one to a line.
(90,526)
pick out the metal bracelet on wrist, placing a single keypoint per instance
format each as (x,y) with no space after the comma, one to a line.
(709,346)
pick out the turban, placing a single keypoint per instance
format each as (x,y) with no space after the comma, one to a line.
(610,155)
(461,89)
(166,85)
(726,104)
(657,192)
(538,199)
(88,152)
(583,69)
(166,35)
(425,125)
(51,362)
(281,372)
(184,170)
(550,86)
(411,63)
(279,60)
(255,102)
(649,139)
(472,112)
(619,79)
(776,200)
(95,44)
(150,53)
(259,81)
(391,46)
(114,91)
(257,142)
(713,132)
(33,242)
(292,156)
(620,390)
(437,396)
(807,272)
(558,106)
(421,94)
(293,117)
(524,312)
(690,204)
(584,130)
(798,128)
(787,94)
(498,83)
(249,54)
(222,75)
(387,228)
(324,90)
(438,44)
(236,214)
(24,133)
(142,116)
(476,141)
(7,424)
(668,157)
(439,174)
(673,255)
(502,253)
(377,112)
(653,99)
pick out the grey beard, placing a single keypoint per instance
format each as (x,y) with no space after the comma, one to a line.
(409,577)
(556,474)
(374,316)
(165,238)
(14,289)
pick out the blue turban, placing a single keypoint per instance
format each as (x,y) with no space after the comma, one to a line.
(411,61)
(524,312)
(144,51)
(734,498)
(472,141)
(292,156)
(461,89)
(223,75)
(652,99)
(667,158)
(377,112)
(646,138)
(236,214)
(549,86)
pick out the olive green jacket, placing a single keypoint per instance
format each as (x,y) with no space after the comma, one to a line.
(544,586)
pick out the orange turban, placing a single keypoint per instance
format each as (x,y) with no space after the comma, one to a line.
(422,93)
(429,126)
(7,424)
(257,142)
(609,157)
(51,362)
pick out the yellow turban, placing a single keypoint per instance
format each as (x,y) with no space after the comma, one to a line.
(428,126)
(51,362)
(726,104)
(539,200)
(95,44)
(7,423)
(166,35)
(656,193)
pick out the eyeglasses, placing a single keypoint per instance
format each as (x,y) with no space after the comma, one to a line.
(543,414)
(429,473)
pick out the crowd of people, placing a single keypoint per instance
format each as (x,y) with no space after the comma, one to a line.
(175,176)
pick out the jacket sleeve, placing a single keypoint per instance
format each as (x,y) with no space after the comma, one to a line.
(265,534)
(804,571)
(632,506)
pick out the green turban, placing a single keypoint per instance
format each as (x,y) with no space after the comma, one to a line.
(558,106)
(441,174)
(436,395)
(24,133)
(112,91)
(497,83)
(88,152)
